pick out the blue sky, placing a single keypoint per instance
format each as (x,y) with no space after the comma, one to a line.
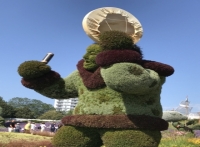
(31,28)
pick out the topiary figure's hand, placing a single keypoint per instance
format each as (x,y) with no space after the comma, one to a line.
(37,75)
(33,69)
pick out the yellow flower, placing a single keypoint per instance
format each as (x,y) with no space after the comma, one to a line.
(194,140)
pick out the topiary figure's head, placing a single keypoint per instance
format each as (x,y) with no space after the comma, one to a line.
(90,56)
(112,40)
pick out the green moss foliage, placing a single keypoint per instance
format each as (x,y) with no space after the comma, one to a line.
(89,57)
(107,101)
(131,138)
(42,81)
(63,88)
(195,127)
(68,136)
(116,121)
(112,40)
(130,78)
(173,116)
(104,101)
(33,69)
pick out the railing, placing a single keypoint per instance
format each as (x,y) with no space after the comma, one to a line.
(26,119)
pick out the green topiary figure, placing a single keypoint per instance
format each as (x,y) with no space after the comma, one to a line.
(180,121)
(119,95)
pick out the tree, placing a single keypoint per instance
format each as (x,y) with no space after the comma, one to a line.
(7,110)
(24,112)
(70,112)
(19,102)
(0,111)
(53,115)
(1,118)
(36,106)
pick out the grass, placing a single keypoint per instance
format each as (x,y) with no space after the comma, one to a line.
(6,137)
(10,139)
(177,142)
(174,138)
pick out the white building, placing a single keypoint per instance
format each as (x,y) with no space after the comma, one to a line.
(65,104)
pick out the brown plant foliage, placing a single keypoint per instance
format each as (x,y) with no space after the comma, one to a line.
(107,58)
(91,80)
(160,68)
(42,81)
(116,121)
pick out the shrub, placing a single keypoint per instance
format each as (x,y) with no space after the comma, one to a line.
(192,122)
(68,136)
(33,69)
(173,116)
(130,138)
(52,115)
(2,121)
(110,40)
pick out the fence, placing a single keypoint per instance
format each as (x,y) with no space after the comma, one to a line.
(26,119)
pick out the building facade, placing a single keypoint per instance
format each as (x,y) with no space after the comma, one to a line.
(65,104)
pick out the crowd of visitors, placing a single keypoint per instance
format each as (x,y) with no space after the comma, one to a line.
(31,127)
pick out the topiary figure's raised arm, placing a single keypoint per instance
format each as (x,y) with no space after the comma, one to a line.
(38,76)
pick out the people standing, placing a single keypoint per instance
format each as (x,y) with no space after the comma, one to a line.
(17,128)
(52,128)
(7,125)
(27,127)
(12,126)
(33,126)
(43,126)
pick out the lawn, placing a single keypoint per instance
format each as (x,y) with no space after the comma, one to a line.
(6,137)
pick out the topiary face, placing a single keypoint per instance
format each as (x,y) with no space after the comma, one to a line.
(111,40)
(89,57)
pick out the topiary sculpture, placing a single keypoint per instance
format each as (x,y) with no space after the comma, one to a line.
(180,121)
(119,95)
(188,126)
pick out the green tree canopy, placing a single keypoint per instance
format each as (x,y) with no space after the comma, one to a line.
(7,110)
(0,111)
(36,106)
(53,115)
(24,112)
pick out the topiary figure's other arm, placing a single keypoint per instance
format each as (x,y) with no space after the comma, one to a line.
(38,76)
